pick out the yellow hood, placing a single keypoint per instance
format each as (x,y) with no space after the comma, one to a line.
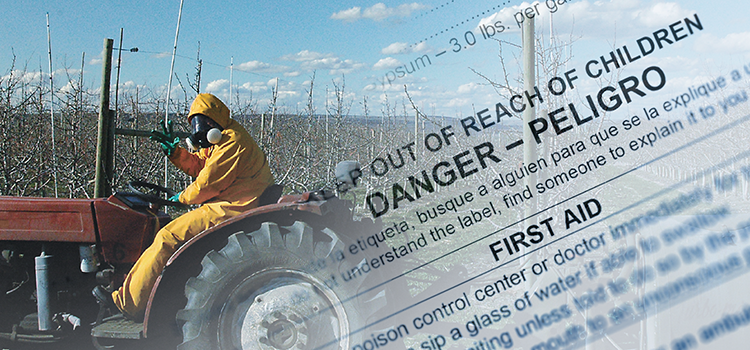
(212,107)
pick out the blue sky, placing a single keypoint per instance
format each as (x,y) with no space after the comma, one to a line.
(358,42)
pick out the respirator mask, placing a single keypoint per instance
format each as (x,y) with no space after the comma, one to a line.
(206,133)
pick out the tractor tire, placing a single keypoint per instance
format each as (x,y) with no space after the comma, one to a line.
(276,288)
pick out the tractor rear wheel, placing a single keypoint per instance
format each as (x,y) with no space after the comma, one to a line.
(274,288)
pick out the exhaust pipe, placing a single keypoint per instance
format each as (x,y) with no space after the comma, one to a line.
(44,313)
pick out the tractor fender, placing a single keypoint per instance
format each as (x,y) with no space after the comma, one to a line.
(167,295)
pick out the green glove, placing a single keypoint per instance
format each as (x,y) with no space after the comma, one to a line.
(175,198)
(167,139)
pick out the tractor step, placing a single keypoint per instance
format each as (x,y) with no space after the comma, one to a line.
(118,327)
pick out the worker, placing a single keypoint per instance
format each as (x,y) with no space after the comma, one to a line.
(230,174)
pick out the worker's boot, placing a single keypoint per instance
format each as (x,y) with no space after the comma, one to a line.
(104,298)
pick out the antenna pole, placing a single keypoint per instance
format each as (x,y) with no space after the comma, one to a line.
(231,71)
(169,86)
(51,104)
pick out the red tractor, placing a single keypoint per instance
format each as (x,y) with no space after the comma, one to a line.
(267,279)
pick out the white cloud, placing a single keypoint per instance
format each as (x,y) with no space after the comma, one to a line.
(733,43)
(292,74)
(335,65)
(458,102)
(387,63)
(70,87)
(288,93)
(660,14)
(349,15)
(468,88)
(258,66)
(26,76)
(377,12)
(395,48)
(254,65)
(311,60)
(254,87)
(217,85)
(305,55)
(404,48)
(370,87)
(128,85)
(421,47)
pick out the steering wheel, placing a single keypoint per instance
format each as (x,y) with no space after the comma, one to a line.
(153,193)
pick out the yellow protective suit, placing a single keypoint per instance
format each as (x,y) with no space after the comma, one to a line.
(230,176)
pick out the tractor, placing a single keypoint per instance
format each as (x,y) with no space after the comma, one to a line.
(266,279)
(269,278)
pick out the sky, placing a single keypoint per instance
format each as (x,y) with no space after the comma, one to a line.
(355,46)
